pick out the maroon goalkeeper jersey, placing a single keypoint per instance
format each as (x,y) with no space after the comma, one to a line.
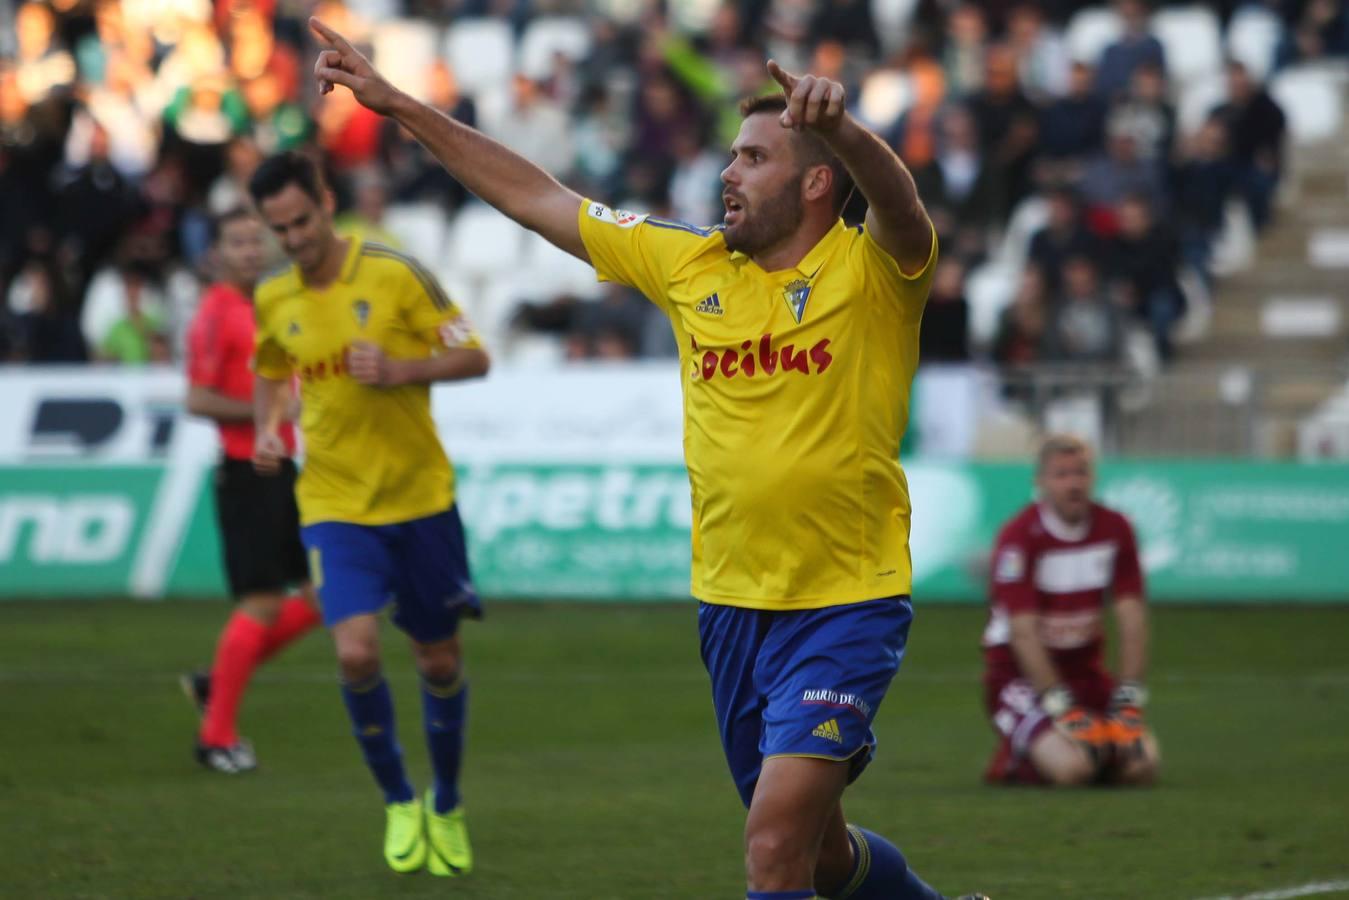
(1063,572)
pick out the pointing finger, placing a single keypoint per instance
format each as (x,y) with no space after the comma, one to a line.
(329,36)
(782,76)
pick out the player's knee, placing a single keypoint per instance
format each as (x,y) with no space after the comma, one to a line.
(438,663)
(358,661)
(1069,770)
(771,854)
(1143,770)
(263,608)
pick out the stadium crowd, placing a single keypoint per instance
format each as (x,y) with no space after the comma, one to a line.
(125,124)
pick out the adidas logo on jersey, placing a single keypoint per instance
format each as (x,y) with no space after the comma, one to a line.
(710,306)
(829,731)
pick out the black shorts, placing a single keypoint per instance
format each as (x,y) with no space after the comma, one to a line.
(259,528)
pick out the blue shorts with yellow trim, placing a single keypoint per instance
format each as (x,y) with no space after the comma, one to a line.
(800,682)
(420,566)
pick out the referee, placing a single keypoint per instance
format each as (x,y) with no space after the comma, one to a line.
(259,522)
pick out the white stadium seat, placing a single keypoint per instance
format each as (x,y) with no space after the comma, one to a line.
(484,242)
(551,265)
(481,52)
(1090,31)
(1312,100)
(988,290)
(1030,216)
(1253,38)
(1192,39)
(892,18)
(885,95)
(404,50)
(1197,99)
(547,36)
(421,228)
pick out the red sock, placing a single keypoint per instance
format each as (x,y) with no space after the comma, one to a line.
(236,656)
(296,617)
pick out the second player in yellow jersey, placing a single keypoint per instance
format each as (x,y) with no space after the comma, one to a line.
(374,457)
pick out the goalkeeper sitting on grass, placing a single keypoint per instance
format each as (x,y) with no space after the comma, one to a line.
(1062,719)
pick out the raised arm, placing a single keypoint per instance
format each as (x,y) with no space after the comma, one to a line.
(896,218)
(492,171)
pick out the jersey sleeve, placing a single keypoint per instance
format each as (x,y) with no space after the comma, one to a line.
(635,249)
(883,274)
(269,358)
(205,355)
(1128,578)
(1014,574)
(431,315)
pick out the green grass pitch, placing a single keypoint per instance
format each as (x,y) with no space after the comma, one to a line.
(594,771)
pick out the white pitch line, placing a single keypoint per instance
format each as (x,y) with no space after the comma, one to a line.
(1302,890)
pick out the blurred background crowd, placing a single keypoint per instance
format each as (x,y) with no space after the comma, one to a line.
(1082,163)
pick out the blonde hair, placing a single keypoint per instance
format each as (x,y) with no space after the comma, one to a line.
(1060,445)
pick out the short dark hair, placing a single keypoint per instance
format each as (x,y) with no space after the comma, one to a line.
(276,172)
(216,226)
(811,148)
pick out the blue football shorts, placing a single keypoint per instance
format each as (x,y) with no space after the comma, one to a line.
(801,682)
(420,567)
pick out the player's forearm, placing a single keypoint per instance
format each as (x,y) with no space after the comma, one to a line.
(202,401)
(1131,615)
(496,174)
(1031,656)
(270,400)
(896,211)
(451,365)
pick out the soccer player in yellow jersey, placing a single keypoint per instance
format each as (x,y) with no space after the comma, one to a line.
(367,331)
(799,339)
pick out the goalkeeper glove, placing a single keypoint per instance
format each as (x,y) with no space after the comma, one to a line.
(1075,722)
(1125,720)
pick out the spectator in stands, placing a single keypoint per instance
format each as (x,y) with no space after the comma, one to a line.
(138,335)
(959,186)
(201,120)
(1255,127)
(230,190)
(94,201)
(945,333)
(849,24)
(133,133)
(46,329)
(600,133)
(1020,337)
(1085,327)
(1006,122)
(1072,128)
(365,220)
(1203,179)
(1135,47)
(1063,236)
(695,184)
(1316,29)
(1146,257)
(414,174)
(964,49)
(45,68)
(535,127)
(1118,172)
(1145,113)
(1042,56)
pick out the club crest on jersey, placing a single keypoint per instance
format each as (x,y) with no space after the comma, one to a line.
(293,330)
(797,294)
(709,306)
(361,309)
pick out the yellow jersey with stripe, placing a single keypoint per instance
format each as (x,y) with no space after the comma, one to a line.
(796,395)
(372,455)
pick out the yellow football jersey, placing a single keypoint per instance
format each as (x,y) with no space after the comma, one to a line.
(796,395)
(372,456)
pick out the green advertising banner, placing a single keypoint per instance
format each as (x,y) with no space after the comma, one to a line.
(1208,531)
